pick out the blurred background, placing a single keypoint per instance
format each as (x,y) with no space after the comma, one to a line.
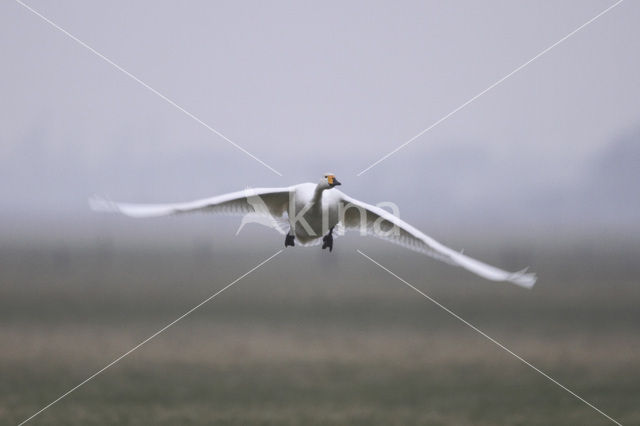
(540,171)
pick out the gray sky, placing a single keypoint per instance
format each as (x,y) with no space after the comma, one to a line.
(311,87)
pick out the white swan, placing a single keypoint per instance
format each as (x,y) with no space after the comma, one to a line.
(312,212)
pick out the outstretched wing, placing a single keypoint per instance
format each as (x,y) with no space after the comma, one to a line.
(382,224)
(267,201)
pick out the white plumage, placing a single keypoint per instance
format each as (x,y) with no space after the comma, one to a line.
(312,212)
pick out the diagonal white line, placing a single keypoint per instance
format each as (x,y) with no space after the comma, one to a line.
(491,87)
(142,83)
(500,345)
(91,377)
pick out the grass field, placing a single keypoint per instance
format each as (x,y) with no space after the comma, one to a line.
(352,345)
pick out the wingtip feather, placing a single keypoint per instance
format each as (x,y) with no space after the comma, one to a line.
(101,204)
(523,278)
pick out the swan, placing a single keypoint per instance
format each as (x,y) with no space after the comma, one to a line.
(311,214)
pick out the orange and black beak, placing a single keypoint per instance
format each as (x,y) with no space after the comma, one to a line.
(333,181)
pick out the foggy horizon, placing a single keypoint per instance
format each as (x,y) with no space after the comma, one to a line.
(554,145)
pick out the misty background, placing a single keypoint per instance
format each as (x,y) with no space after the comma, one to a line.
(310,88)
(542,171)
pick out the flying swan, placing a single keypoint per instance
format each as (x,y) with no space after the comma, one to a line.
(313,213)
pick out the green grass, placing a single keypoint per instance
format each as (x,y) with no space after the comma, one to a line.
(352,346)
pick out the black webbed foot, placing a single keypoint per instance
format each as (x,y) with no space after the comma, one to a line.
(327,240)
(289,241)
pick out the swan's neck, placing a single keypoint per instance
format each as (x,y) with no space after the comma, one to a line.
(317,194)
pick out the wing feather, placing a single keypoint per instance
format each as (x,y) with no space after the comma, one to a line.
(382,224)
(267,201)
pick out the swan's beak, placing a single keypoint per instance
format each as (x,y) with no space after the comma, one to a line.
(334,182)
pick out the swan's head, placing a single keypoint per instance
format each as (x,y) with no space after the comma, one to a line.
(329,181)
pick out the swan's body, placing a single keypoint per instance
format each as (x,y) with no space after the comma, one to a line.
(313,211)
(315,202)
